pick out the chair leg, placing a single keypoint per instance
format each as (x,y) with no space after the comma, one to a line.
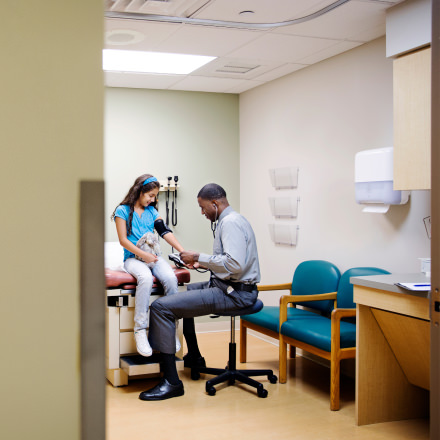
(292,350)
(335,375)
(243,342)
(283,360)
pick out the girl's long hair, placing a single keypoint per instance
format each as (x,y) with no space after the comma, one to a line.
(133,195)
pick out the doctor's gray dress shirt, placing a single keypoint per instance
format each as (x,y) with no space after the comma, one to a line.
(235,250)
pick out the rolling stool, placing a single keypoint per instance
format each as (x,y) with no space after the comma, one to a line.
(230,373)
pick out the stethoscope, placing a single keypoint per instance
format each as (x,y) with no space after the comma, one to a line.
(174,204)
(215,222)
(213,229)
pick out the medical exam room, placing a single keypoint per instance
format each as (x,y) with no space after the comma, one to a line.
(244,247)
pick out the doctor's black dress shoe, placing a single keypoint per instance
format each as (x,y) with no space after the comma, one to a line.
(163,390)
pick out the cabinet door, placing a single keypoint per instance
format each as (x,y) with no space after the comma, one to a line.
(412,120)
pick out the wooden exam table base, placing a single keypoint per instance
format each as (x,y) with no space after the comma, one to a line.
(122,360)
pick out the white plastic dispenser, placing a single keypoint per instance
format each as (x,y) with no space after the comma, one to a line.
(374,181)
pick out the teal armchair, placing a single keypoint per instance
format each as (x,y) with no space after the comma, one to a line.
(312,277)
(328,337)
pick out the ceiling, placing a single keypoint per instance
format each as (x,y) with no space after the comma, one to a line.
(250,38)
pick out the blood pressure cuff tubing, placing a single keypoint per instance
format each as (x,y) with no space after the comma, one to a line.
(161,227)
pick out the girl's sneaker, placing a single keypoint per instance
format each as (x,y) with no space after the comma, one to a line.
(142,344)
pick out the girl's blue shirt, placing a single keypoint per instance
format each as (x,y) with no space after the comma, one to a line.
(140,225)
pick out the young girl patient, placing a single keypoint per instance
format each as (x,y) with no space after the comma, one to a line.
(135,216)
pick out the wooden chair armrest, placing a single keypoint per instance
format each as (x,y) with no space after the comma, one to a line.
(338,314)
(317,297)
(285,300)
(264,287)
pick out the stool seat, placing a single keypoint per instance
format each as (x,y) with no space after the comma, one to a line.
(256,307)
(230,374)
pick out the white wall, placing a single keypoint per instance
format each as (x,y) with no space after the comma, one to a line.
(166,133)
(51,137)
(317,119)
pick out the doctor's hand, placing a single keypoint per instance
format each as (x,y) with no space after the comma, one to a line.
(190,258)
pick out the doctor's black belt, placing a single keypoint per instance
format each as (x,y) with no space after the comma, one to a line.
(223,284)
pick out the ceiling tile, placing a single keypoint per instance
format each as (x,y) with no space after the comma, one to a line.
(244,86)
(284,48)
(329,52)
(154,33)
(140,81)
(203,40)
(205,84)
(280,71)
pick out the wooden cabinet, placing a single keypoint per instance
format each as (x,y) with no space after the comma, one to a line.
(412,120)
(393,350)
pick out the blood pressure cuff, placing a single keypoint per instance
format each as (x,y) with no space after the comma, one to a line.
(161,227)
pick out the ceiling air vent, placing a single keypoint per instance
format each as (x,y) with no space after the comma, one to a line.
(231,68)
(175,8)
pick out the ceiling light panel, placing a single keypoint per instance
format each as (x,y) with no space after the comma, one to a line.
(152,62)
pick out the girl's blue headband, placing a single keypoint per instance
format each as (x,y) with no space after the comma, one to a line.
(149,180)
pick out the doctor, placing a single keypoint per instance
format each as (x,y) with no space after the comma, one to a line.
(235,273)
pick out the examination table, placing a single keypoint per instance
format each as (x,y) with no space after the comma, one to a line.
(122,359)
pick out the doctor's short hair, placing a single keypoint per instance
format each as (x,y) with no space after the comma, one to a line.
(212,191)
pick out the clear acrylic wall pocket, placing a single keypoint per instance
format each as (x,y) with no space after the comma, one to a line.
(284,234)
(284,178)
(284,207)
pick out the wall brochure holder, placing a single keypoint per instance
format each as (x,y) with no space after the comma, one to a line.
(284,207)
(284,178)
(284,234)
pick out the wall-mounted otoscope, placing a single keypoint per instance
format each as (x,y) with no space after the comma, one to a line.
(167,201)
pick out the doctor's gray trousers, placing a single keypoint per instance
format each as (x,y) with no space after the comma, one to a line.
(198,300)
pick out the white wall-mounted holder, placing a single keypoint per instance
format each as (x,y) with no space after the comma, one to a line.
(284,234)
(284,207)
(374,181)
(284,178)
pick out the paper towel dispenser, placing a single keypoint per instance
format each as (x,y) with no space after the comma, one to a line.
(374,180)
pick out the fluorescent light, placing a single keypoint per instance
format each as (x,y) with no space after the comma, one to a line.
(151,62)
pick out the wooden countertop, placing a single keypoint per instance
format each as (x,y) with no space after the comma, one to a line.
(380,291)
(388,282)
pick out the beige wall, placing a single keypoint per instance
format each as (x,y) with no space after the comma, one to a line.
(317,119)
(166,133)
(51,137)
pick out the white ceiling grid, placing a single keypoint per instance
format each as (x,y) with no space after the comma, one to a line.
(246,58)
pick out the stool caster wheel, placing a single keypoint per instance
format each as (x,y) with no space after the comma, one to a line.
(273,379)
(195,375)
(262,392)
(211,391)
